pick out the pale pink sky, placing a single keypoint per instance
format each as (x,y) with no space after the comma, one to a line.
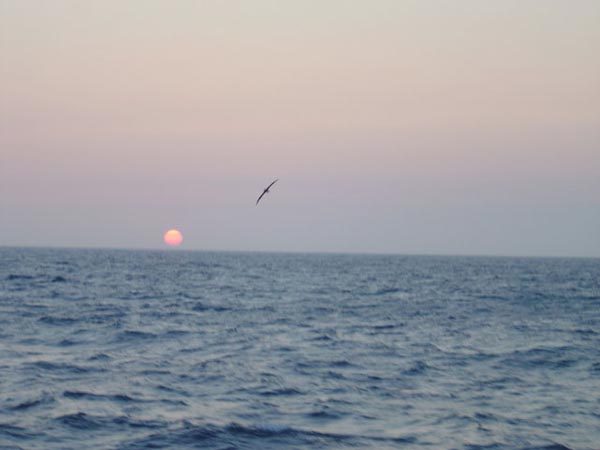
(394,126)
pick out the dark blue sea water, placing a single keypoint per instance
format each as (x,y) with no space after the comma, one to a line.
(108,349)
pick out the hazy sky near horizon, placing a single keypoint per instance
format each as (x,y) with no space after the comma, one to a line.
(463,127)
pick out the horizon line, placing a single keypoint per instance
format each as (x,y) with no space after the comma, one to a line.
(299,252)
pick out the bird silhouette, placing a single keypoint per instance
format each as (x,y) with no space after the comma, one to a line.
(266,191)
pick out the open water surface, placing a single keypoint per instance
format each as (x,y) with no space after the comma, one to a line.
(115,349)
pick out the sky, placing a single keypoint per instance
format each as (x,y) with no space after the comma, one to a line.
(412,127)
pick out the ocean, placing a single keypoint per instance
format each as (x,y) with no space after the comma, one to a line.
(120,349)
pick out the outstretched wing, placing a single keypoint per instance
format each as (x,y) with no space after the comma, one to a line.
(269,186)
(261,196)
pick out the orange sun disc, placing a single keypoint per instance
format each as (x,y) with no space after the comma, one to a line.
(173,237)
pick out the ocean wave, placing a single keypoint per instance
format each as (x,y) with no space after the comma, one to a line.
(264,436)
(280,392)
(93,396)
(418,368)
(84,421)
(549,447)
(118,398)
(16,432)
(62,367)
(132,335)
(324,414)
(199,307)
(17,276)
(44,399)
(58,321)
(386,291)
(550,357)
(99,357)
(275,430)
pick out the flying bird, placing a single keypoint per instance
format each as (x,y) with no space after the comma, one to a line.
(266,191)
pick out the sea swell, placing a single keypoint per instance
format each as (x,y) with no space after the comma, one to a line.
(138,350)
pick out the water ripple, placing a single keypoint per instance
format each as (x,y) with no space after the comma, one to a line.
(137,350)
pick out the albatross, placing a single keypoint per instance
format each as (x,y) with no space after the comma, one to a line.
(266,191)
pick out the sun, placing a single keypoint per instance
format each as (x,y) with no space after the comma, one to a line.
(173,237)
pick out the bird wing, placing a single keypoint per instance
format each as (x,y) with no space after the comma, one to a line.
(269,186)
(261,196)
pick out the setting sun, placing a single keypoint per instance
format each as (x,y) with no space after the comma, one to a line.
(173,237)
